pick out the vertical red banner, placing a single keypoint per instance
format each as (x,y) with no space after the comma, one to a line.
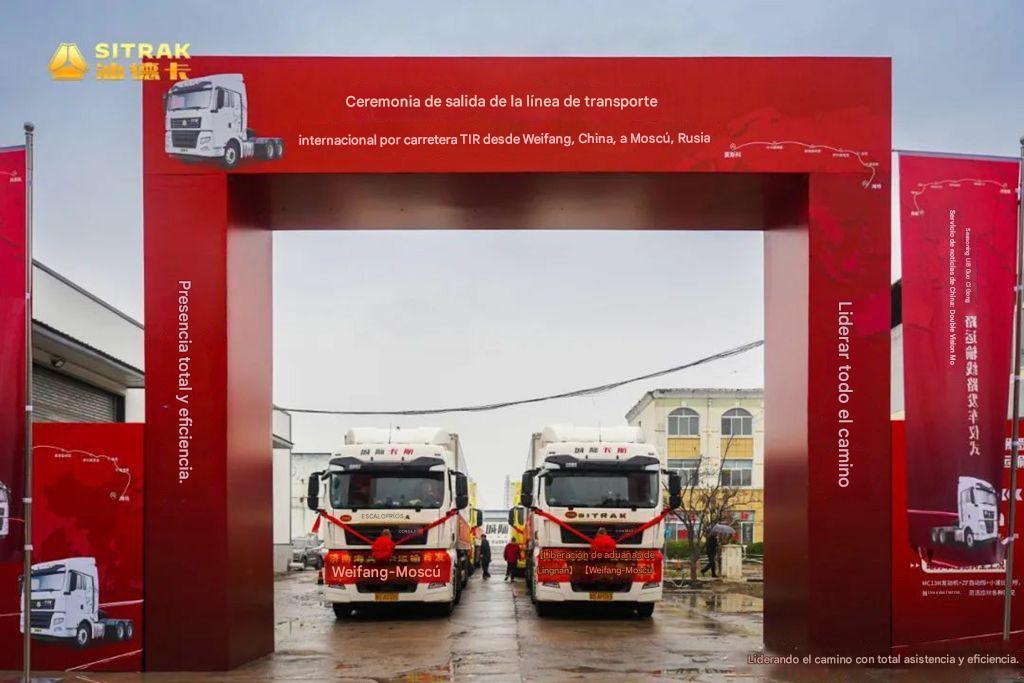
(12,350)
(958,223)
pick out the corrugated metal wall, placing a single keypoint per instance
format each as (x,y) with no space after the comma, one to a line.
(60,398)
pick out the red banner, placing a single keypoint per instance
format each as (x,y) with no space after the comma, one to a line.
(87,563)
(561,565)
(958,225)
(12,350)
(345,567)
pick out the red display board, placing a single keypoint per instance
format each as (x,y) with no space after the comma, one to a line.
(796,147)
(87,562)
(562,565)
(958,219)
(343,567)
(12,351)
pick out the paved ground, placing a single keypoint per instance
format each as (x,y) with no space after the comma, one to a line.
(495,635)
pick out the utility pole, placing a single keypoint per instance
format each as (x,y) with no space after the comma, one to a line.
(1018,301)
(27,492)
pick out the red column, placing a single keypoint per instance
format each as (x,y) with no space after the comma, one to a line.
(208,544)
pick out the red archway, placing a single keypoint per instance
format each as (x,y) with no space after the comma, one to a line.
(796,147)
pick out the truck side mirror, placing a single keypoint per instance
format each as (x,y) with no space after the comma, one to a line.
(313,492)
(675,490)
(461,491)
(218,103)
(512,517)
(479,518)
(526,489)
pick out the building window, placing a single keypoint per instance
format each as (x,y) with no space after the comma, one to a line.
(737,422)
(683,422)
(688,469)
(737,472)
(744,521)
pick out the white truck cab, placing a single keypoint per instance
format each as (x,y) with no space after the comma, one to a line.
(977,507)
(396,482)
(579,481)
(65,604)
(208,118)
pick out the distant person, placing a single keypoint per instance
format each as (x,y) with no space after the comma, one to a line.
(711,548)
(485,555)
(511,555)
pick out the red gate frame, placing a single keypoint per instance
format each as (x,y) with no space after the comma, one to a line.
(797,147)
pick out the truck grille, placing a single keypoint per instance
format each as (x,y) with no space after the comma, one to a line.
(184,138)
(591,530)
(40,619)
(397,533)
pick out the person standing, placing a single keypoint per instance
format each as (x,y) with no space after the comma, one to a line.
(485,555)
(511,555)
(711,547)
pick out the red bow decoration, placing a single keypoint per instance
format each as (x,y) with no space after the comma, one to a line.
(383,548)
(603,543)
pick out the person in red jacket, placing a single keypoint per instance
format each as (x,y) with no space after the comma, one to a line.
(511,555)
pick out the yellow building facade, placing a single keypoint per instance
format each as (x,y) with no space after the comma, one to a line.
(710,434)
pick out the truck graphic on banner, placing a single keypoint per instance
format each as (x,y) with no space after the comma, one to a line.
(208,119)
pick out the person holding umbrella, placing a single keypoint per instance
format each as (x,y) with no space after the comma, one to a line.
(711,547)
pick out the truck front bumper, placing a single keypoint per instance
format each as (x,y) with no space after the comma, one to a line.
(563,592)
(351,595)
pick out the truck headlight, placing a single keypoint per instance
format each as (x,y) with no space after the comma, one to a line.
(205,138)
(57,621)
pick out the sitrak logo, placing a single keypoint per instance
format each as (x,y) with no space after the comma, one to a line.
(67,63)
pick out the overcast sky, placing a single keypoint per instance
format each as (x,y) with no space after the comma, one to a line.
(395,320)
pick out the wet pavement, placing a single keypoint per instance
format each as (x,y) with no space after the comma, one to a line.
(495,635)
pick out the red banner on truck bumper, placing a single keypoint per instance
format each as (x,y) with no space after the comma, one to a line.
(346,567)
(559,565)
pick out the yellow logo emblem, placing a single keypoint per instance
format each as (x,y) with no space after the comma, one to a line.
(67,63)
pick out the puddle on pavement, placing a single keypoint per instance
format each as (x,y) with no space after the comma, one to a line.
(722,603)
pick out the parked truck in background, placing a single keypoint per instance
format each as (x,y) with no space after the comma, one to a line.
(208,118)
(66,604)
(411,483)
(977,515)
(517,527)
(580,480)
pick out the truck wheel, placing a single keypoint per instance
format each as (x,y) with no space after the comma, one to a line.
(645,610)
(83,635)
(279,148)
(341,611)
(232,153)
(942,537)
(128,631)
(935,537)
(119,632)
(269,151)
(969,538)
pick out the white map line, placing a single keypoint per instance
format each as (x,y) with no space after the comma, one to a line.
(924,187)
(775,144)
(113,461)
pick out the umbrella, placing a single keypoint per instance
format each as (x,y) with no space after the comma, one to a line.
(722,530)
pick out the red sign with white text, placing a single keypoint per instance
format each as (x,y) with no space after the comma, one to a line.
(958,223)
(345,567)
(12,349)
(561,565)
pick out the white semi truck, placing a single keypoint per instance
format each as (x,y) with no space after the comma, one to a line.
(977,510)
(411,485)
(579,482)
(208,118)
(66,604)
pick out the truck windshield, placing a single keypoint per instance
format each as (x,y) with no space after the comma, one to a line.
(189,99)
(985,496)
(385,490)
(47,581)
(602,489)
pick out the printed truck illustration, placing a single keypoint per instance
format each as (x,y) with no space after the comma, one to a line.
(595,525)
(65,604)
(5,510)
(395,519)
(977,515)
(208,118)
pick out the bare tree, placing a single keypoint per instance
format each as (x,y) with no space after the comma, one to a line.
(706,501)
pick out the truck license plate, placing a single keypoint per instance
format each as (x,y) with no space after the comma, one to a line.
(600,596)
(386,597)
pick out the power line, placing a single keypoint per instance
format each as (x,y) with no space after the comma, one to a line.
(721,355)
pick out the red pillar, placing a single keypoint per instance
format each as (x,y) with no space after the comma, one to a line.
(208,563)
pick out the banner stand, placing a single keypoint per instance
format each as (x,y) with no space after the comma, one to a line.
(1018,300)
(27,500)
